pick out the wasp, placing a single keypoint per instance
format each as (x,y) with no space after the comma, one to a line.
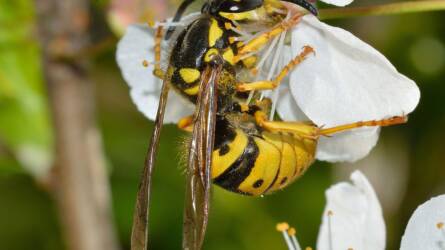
(234,143)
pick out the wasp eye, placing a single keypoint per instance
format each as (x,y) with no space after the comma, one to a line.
(232,6)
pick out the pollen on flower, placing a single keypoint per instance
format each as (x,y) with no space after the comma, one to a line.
(292,231)
(282,227)
(350,248)
(440,225)
(308,248)
(145,63)
(330,213)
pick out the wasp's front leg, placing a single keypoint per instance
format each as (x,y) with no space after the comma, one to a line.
(258,42)
(267,85)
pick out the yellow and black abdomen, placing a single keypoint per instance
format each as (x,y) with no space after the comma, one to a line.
(257,165)
(195,46)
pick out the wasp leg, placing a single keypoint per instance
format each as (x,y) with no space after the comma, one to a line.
(299,129)
(256,43)
(265,85)
(311,131)
(158,72)
(374,123)
(186,123)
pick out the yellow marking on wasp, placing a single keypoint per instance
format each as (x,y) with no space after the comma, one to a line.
(228,25)
(192,90)
(305,153)
(232,40)
(239,16)
(265,169)
(221,163)
(189,75)
(210,53)
(215,33)
(288,162)
(228,55)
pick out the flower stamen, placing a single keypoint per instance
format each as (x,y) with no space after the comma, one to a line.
(292,233)
(441,227)
(283,228)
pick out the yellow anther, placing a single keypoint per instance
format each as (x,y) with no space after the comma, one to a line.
(282,227)
(292,231)
(350,248)
(308,248)
(440,225)
(145,63)
(151,23)
(330,213)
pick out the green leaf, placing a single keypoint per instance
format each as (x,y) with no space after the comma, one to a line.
(24,123)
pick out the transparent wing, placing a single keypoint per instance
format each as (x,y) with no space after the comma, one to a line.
(139,234)
(196,208)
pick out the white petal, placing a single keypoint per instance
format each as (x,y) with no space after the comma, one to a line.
(348,146)
(356,221)
(338,2)
(345,82)
(423,231)
(135,47)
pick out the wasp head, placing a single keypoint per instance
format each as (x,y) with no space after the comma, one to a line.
(245,9)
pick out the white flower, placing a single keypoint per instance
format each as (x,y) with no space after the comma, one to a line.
(346,81)
(352,218)
(426,228)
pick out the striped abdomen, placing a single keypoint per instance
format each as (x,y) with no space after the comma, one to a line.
(255,165)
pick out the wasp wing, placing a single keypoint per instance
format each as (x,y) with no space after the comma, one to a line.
(197,197)
(139,234)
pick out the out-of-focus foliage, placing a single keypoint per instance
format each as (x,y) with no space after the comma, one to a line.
(28,219)
(24,126)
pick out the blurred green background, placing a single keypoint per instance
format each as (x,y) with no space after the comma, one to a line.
(407,167)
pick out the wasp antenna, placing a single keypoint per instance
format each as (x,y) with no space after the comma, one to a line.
(305,4)
(178,16)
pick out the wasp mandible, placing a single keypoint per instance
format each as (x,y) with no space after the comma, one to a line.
(234,142)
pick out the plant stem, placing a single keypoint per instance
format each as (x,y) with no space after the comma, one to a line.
(82,191)
(383,9)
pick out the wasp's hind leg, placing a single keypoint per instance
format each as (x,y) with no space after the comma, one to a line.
(302,130)
(266,85)
(158,72)
(373,123)
(311,131)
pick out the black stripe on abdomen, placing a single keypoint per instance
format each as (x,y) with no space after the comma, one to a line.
(240,169)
